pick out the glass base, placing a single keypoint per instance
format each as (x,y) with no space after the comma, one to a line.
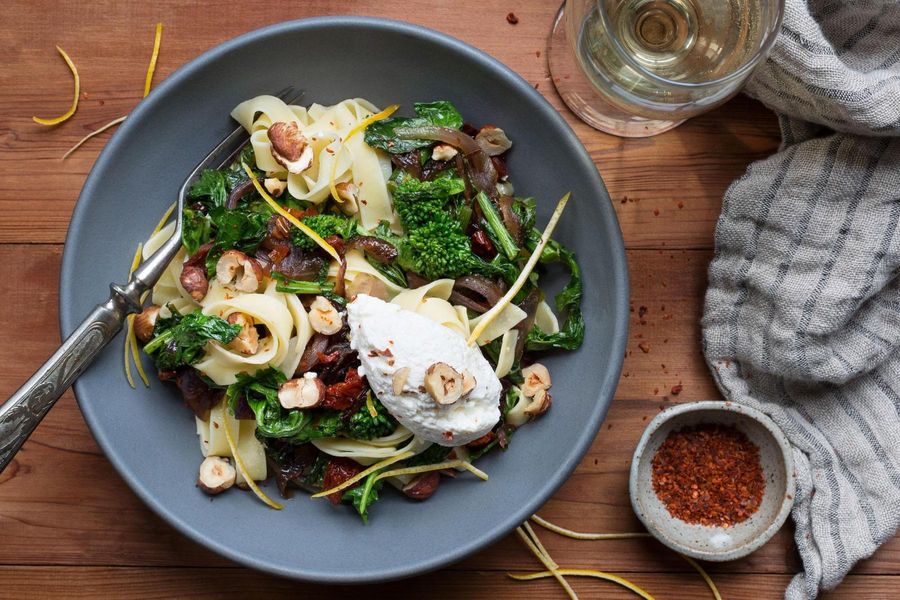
(582,97)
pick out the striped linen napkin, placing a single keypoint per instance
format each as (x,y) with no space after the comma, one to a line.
(802,315)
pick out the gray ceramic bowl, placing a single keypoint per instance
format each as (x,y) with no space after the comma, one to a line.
(149,436)
(715,543)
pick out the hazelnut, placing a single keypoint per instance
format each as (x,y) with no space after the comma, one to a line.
(290,148)
(539,404)
(324,317)
(444,383)
(468,383)
(145,322)
(443,152)
(537,378)
(423,486)
(348,195)
(399,380)
(237,271)
(493,140)
(217,474)
(193,280)
(275,186)
(305,392)
(247,341)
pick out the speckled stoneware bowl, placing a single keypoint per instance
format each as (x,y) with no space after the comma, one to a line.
(705,542)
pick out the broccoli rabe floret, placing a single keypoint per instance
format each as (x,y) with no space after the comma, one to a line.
(324,225)
(363,426)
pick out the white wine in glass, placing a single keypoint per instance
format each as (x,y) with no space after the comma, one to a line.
(636,68)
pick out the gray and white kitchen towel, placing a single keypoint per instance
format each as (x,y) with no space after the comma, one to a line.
(802,315)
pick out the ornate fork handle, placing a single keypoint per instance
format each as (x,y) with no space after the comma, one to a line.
(20,415)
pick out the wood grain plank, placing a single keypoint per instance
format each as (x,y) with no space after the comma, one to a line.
(71,582)
(56,504)
(667,190)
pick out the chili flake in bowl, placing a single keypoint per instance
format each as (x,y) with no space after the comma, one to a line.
(712,480)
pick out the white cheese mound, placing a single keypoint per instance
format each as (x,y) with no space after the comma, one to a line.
(389,338)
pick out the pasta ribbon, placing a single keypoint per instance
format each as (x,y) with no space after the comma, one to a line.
(384,114)
(239,462)
(66,115)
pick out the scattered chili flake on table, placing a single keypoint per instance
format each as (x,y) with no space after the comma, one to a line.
(709,475)
(512,19)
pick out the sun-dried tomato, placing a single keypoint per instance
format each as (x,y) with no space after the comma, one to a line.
(482,441)
(339,396)
(337,471)
(482,246)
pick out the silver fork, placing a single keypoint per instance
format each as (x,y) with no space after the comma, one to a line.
(20,415)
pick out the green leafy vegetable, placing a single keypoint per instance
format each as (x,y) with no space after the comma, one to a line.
(382,134)
(324,225)
(363,426)
(571,334)
(180,340)
(496,228)
(431,455)
(261,393)
(210,188)
(363,496)
(327,423)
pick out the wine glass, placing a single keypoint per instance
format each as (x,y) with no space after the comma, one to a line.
(637,68)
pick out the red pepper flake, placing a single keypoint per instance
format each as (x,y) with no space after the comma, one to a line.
(655,212)
(512,19)
(645,347)
(642,311)
(680,204)
(537,53)
(709,475)
(676,389)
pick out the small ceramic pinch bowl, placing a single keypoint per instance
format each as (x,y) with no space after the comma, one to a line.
(709,542)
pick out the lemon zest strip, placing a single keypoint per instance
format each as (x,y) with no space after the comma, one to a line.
(495,311)
(66,115)
(363,474)
(165,217)
(585,573)
(241,467)
(704,575)
(95,132)
(450,464)
(151,68)
(577,535)
(291,218)
(547,561)
(356,129)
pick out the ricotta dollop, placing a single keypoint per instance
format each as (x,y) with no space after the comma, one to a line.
(389,338)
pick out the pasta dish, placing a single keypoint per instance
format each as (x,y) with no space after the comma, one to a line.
(357,302)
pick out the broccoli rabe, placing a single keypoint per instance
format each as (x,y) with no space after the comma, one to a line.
(325,226)
(363,426)
(435,244)
(180,340)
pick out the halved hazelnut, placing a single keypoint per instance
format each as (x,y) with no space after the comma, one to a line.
(275,186)
(468,383)
(145,322)
(539,404)
(193,280)
(217,474)
(537,378)
(247,341)
(443,152)
(399,380)
(237,271)
(348,194)
(493,140)
(444,383)
(324,317)
(305,392)
(290,148)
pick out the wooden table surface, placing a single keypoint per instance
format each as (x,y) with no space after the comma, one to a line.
(70,527)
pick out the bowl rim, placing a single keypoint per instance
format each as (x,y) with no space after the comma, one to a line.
(607,226)
(723,406)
